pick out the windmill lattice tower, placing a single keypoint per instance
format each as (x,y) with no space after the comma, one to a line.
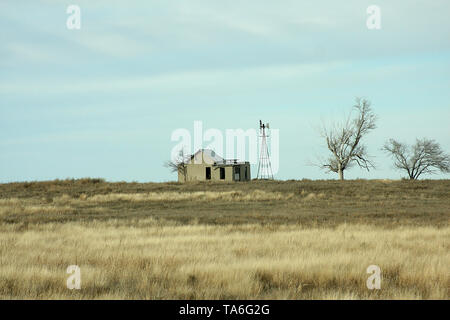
(264,166)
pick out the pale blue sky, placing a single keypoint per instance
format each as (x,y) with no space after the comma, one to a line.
(103,101)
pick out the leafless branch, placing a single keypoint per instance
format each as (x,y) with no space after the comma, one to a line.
(344,140)
(179,163)
(424,157)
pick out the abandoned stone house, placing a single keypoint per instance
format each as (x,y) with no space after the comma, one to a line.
(206,165)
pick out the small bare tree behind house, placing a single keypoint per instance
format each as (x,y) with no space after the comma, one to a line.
(344,140)
(179,163)
(424,157)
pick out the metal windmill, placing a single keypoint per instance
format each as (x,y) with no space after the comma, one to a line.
(264,166)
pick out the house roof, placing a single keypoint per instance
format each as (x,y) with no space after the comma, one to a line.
(210,156)
(210,153)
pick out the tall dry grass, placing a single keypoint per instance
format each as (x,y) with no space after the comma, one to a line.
(255,195)
(155,260)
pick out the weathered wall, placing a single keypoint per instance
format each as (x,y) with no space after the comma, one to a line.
(197,172)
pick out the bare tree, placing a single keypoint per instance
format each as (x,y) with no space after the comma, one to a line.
(425,156)
(179,163)
(344,140)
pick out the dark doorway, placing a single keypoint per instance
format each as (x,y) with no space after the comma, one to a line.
(208,173)
(237,173)
(222,173)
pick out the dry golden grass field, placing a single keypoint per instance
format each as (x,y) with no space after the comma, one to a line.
(257,240)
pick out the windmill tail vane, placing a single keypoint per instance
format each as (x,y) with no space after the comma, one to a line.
(264,166)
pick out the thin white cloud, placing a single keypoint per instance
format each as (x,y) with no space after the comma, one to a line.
(89,136)
(114,45)
(219,78)
(29,52)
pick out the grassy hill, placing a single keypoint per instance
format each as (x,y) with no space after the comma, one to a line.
(310,203)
